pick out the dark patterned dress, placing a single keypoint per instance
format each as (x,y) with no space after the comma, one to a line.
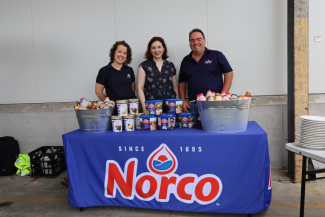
(159,85)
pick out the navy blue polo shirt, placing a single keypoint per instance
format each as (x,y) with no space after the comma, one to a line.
(117,82)
(205,74)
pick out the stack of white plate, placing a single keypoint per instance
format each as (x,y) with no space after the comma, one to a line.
(311,132)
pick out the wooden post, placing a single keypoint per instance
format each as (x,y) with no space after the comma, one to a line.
(301,62)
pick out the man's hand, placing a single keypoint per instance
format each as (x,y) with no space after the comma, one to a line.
(185,106)
(182,94)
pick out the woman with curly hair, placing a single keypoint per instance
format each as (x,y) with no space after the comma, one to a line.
(117,78)
(156,76)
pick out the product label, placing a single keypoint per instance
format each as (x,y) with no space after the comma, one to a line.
(129,124)
(153,123)
(138,123)
(171,108)
(171,123)
(145,124)
(122,109)
(164,124)
(117,125)
(133,107)
(179,108)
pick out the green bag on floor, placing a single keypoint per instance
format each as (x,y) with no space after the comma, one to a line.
(23,164)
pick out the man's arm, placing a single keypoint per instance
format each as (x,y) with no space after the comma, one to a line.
(227,81)
(182,94)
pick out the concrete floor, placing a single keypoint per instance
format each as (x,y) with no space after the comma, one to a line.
(26,196)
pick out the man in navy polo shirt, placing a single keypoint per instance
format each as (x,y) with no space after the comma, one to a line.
(202,70)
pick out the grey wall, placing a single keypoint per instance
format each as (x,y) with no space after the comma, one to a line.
(51,51)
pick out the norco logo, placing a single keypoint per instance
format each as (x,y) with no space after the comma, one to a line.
(164,121)
(184,119)
(172,104)
(146,121)
(151,106)
(160,181)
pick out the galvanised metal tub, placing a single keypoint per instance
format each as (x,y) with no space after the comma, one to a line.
(224,116)
(94,120)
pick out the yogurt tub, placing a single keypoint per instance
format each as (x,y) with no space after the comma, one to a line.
(122,107)
(133,106)
(150,107)
(129,123)
(117,124)
(138,121)
(184,120)
(159,107)
(148,123)
(179,106)
(172,106)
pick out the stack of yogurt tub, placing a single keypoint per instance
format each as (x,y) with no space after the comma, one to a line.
(128,116)
(155,119)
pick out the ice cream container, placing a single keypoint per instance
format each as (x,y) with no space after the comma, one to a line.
(171,121)
(148,123)
(129,123)
(159,107)
(150,107)
(137,121)
(117,123)
(179,106)
(192,119)
(122,107)
(172,106)
(133,106)
(163,121)
(184,120)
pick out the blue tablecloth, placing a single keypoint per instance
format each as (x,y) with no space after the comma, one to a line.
(182,170)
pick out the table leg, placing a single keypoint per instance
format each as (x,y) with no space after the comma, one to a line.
(81,209)
(303,185)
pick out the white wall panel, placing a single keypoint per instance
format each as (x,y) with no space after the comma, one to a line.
(72,40)
(316,49)
(139,21)
(252,35)
(18,80)
(52,50)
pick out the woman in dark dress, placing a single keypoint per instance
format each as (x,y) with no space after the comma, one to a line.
(156,78)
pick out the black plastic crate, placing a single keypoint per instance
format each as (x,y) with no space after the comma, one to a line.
(47,161)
